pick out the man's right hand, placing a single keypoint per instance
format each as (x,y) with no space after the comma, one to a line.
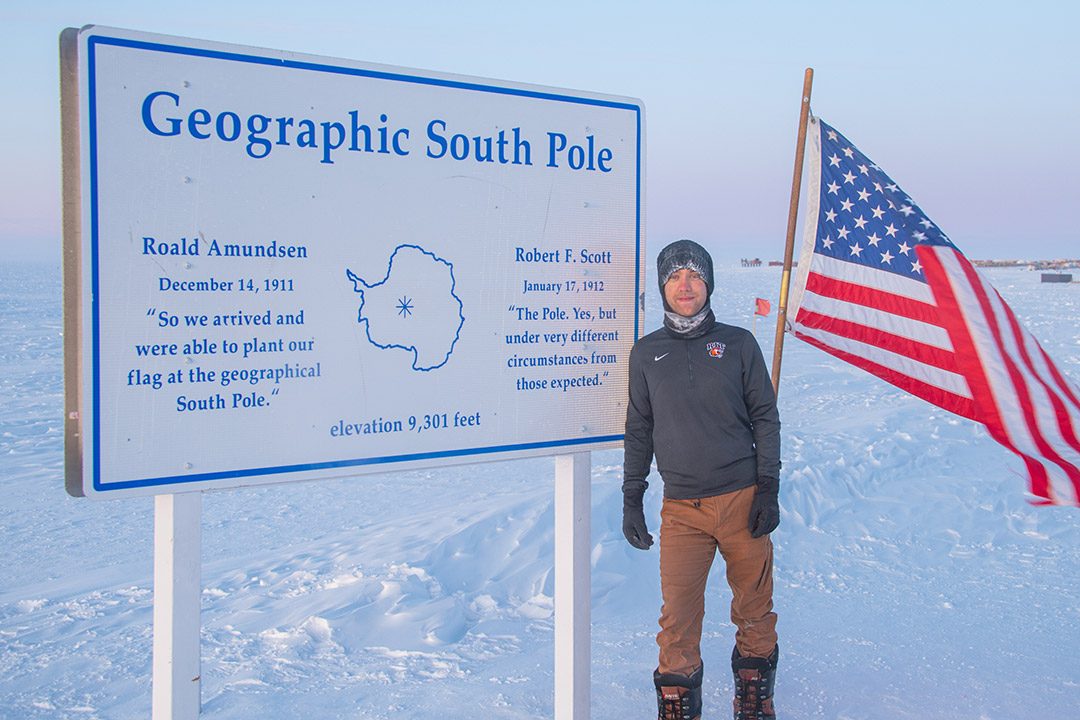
(633,522)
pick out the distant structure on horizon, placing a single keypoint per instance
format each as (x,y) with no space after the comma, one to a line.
(756,262)
(1030,264)
(1056,278)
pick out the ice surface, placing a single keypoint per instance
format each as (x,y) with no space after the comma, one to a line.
(913,578)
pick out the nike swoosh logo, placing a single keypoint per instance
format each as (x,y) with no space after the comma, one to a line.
(658,358)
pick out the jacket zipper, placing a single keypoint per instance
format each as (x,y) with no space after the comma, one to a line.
(689,365)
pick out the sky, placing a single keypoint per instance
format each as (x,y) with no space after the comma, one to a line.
(970,107)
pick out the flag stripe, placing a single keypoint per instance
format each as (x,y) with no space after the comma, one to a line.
(980,384)
(869,297)
(1060,382)
(1050,408)
(1022,395)
(949,383)
(876,337)
(869,277)
(932,393)
(1051,414)
(830,297)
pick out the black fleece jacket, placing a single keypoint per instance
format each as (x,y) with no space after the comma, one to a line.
(706,408)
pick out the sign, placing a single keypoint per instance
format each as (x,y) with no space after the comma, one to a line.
(286,267)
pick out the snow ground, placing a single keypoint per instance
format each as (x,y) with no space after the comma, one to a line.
(913,578)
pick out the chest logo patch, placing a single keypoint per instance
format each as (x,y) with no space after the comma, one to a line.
(716,349)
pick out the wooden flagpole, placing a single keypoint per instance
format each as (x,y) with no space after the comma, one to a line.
(793,213)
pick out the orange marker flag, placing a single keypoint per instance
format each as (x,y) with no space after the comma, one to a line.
(762,308)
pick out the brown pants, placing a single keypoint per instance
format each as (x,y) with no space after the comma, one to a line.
(691,531)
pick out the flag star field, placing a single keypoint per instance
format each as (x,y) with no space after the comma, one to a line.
(865,217)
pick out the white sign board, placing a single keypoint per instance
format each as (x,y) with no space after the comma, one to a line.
(293,267)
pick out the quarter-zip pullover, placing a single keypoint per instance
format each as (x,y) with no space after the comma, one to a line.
(706,408)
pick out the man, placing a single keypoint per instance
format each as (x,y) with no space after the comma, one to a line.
(702,401)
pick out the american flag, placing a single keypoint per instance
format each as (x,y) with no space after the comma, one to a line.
(881,287)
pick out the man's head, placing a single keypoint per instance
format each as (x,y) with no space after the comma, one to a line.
(685,273)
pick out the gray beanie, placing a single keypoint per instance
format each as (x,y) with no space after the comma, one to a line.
(680,255)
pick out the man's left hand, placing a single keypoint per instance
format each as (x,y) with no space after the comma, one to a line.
(764,512)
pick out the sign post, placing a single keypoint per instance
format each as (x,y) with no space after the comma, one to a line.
(177,590)
(573,545)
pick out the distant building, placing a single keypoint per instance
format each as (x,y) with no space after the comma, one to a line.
(1060,264)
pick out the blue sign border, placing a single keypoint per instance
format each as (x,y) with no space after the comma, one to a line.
(94,40)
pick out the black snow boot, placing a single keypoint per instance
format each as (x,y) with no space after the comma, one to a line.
(754,681)
(678,697)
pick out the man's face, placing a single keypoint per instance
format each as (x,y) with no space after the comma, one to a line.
(685,292)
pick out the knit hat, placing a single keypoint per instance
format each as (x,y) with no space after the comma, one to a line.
(684,254)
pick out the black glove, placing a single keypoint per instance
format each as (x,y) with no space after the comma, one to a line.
(765,510)
(633,520)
